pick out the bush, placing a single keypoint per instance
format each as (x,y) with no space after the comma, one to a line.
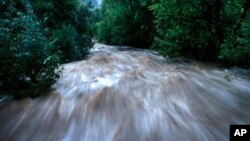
(26,59)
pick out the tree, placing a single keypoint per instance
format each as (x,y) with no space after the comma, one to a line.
(203,29)
(38,35)
(67,26)
(125,23)
(26,59)
(235,49)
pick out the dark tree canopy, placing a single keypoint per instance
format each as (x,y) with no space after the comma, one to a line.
(205,29)
(38,35)
(125,22)
(212,30)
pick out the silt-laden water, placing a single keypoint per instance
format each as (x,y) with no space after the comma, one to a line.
(130,95)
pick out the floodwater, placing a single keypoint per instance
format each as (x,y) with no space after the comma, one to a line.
(125,94)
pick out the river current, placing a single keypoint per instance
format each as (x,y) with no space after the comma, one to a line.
(126,94)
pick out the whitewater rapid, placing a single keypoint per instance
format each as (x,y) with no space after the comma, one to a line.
(126,94)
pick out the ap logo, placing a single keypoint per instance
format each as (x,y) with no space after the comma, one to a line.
(239,132)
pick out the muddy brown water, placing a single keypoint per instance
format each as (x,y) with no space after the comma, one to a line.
(130,95)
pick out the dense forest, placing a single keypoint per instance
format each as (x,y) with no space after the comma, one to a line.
(36,36)
(211,30)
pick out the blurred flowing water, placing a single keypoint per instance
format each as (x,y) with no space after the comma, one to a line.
(124,94)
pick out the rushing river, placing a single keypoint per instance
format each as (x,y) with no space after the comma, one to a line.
(130,95)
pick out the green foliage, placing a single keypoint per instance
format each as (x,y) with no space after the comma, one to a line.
(236,46)
(26,60)
(67,26)
(36,36)
(213,30)
(125,23)
(65,41)
(203,29)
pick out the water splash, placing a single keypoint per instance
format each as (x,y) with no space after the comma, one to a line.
(120,93)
